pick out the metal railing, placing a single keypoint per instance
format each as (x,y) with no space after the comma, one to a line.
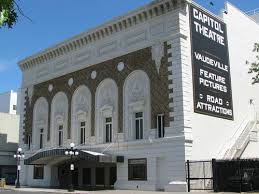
(231,141)
(241,142)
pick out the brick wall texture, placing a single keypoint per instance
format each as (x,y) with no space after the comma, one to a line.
(138,60)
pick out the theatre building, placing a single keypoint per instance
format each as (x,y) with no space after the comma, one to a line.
(140,95)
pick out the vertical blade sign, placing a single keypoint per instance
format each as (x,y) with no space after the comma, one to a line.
(210,63)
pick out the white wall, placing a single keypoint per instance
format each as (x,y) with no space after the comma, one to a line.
(7,101)
(9,124)
(13,101)
(210,133)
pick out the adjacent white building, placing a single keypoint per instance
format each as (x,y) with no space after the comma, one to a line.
(9,135)
(9,102)
(140,95)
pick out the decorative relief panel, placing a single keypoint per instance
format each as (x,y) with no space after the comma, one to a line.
(157,54)
(107,48)
(157,28)
(81,58)
(136,95)
(136,90)
(60,64)
(40,121)
(106,106)
(106,94)
(50,88)
(41,110)
(81,112)
(42,71)
(120,66)
(136,37)
(59,116)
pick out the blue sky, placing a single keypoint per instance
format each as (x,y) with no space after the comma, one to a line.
(56,20)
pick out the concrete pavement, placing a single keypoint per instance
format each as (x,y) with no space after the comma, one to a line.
(11,189)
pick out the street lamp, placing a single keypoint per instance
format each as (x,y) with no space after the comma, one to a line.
(18,157)
(71,152)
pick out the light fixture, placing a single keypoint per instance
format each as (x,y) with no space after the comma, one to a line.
(72,152)
(72,145)
(18,157)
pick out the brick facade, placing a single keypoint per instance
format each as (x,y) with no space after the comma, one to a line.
(138,60)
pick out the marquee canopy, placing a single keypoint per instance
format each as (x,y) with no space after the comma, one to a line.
(57,155)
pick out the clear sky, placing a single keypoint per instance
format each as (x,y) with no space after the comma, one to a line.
(56,20)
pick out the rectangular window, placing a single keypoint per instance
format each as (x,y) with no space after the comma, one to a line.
(139,125)
(14,107)
(60,135)
(38,172)
(161,125)
(108,129)
(41,138)
(82,133)
(137,169)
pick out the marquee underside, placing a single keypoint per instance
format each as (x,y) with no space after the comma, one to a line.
(58,155)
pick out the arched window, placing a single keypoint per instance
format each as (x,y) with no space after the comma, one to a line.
(81,115)
(136,106)
(40,123)
(59,112)
(106,116)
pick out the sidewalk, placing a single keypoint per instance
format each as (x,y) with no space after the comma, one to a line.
(35,190)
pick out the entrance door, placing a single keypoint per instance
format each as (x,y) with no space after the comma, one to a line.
(87,177)
(63,177)
(100,177)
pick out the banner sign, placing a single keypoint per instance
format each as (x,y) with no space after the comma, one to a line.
(210,63)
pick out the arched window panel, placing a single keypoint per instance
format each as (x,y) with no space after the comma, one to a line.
(106,115)
(81,115)
(40,124)
(136,106)
(59,116)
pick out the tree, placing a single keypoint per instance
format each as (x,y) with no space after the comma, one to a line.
(8,15)
(254,68)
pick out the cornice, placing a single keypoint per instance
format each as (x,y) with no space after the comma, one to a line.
(116,25)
